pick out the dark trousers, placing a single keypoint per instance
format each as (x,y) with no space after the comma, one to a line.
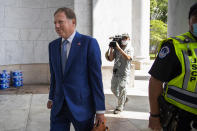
(184,122)
(63,120)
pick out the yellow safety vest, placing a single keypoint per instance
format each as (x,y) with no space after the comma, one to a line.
(181,91)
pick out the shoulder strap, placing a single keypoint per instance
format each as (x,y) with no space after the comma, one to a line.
(188,39)
(178,39)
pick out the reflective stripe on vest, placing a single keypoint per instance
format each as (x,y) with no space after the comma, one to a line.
(195,50)
(183,96)
(187,70)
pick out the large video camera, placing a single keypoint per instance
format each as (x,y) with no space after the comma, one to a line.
(118,39)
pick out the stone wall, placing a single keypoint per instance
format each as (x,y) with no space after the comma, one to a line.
(26,28)
(83,11)
(32,73)
(40,74)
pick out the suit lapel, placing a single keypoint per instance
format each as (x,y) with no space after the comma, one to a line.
(59,60)
(75,46)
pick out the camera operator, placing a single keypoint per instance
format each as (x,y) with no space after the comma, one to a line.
(121,51)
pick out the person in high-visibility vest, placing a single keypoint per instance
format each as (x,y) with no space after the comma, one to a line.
(173,82)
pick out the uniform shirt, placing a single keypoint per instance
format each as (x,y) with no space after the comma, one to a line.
(122,66)
(166,65)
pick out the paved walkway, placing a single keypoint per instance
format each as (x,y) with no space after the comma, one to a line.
(25,110)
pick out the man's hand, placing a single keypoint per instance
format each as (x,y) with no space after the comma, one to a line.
(154,123)
(99,119)
(49,104)
(117,46)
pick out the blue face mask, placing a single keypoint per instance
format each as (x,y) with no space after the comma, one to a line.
(195,29)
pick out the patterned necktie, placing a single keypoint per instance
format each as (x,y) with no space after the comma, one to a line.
(64,54)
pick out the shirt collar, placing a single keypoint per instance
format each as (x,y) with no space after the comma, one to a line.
(71,37)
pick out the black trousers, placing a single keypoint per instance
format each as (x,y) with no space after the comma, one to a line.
(184,121)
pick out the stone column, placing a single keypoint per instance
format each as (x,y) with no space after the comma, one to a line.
(141,31)
(178,11)
(110,17)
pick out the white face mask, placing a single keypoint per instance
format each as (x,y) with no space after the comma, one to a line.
(124,42)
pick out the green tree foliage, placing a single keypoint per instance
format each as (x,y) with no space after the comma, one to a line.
(158,27)
(159,10)
(158,32)
(153,5)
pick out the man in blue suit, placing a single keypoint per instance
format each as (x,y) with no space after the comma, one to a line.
(76,89)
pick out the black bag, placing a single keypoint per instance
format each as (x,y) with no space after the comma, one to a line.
(167,112)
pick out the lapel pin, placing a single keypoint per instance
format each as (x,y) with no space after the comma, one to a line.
(79,44)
